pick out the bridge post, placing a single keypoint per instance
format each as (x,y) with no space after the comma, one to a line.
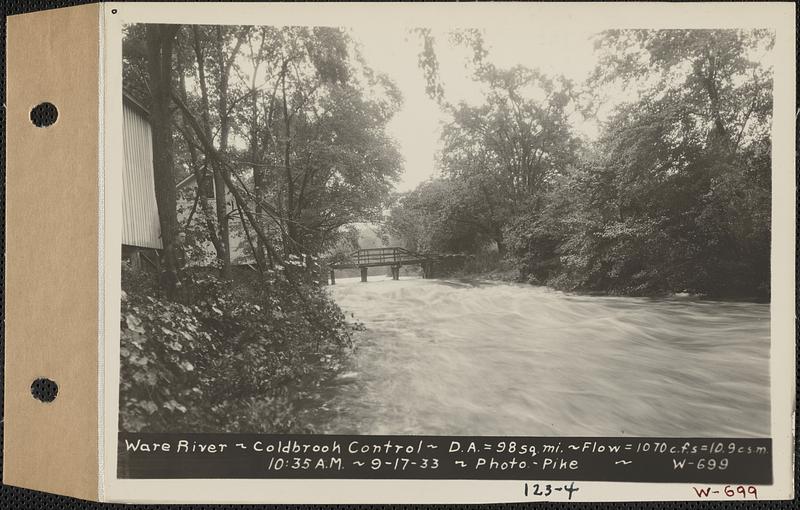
(395,272)
(333,278)
(363,274)
(427,269)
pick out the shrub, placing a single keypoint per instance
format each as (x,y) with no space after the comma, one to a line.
(223,359)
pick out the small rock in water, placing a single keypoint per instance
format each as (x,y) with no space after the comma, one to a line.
(347,376)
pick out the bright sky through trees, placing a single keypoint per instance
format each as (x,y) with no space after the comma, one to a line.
(394,51)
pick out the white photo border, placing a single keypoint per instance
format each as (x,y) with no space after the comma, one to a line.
(773,15)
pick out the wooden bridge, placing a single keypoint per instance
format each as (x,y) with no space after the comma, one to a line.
(393,257)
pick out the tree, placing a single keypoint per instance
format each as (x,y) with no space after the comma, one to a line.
(676,197)
(215,50)
(259,54)
(435,217)
(715,75)
(321,144)
(501,155)
(509,149)
(160,40)
(291,122)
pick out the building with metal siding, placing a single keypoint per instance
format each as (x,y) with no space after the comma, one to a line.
(140,226)
(141,230)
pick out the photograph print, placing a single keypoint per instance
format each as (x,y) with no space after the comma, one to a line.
(352,230)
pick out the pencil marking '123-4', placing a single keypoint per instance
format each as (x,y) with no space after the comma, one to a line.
(546,490)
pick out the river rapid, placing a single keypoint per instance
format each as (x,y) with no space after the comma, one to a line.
(484,358)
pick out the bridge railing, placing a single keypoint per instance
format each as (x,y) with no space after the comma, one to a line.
(391,255)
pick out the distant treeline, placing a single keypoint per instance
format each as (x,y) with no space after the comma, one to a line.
(672,196)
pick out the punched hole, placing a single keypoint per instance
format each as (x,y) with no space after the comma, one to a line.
(44,389)
(44,114)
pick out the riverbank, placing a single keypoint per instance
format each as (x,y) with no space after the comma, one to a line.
(236,353)
(505,272)
(496,275)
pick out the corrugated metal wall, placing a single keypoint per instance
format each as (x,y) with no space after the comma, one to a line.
(140,225)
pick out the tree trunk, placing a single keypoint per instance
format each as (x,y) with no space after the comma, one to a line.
(223,247)
(501,247)
(720,140)
(220,196)
(274,256)
(203,175)
(224,128)
(258,171)
(160,39)
(258,176)
(291,245)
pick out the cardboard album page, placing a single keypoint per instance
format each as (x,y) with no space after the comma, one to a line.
(52,251)
(404,253)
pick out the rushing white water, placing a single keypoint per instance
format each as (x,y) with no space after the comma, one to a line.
(453,358)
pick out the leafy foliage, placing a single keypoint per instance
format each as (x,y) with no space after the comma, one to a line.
(498,159)
(291,121)
(227,356)
(674,196)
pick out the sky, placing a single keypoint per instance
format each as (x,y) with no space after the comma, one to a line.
(416,127)
(555,49)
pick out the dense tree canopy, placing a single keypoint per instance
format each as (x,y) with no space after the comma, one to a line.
(290,121)
(673,196)
(498,158)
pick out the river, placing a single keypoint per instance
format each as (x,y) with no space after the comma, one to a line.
(484,358)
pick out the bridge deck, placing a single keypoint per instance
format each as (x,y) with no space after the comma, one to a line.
(399,262)
(393,257)
(375,257)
